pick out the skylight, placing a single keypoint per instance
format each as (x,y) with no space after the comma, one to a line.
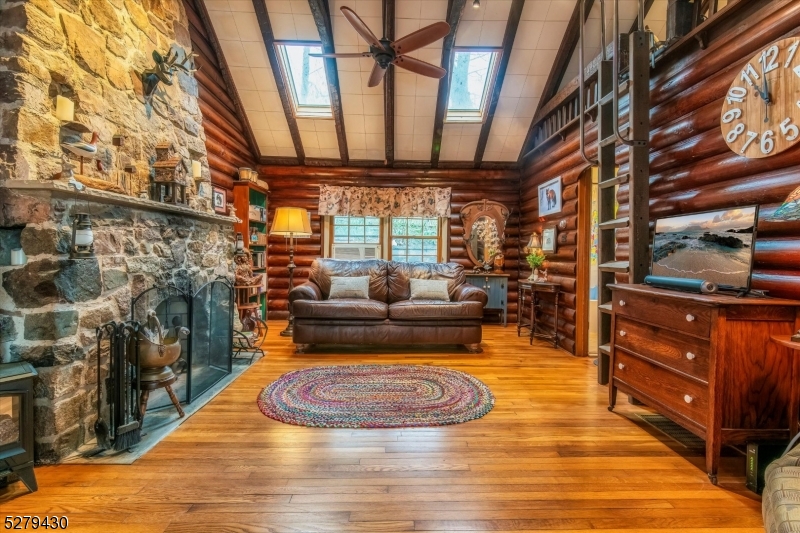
(470,84)
(305,75)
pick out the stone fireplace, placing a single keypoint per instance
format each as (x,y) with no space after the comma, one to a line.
(92,52)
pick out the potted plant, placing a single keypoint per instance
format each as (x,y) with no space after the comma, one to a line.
(535,259)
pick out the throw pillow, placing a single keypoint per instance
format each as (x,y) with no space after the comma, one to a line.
(429,289)
(344,287)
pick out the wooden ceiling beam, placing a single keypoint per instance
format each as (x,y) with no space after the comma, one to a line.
(322,18)
(454,10)
(202,11)
(388,83)
(269,43)
(510,34)
(565,51)
(378,173)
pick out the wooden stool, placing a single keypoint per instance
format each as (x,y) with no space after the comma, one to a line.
(148,386)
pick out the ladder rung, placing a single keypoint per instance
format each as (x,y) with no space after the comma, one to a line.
(606,308)
(605,348)
(623,89)
(619,180)
(615,266)
(608,141)
(614,224)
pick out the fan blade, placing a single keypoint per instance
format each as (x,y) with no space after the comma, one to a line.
(419,67)
(422,37)
(343,56)
(376,76)
(361,28)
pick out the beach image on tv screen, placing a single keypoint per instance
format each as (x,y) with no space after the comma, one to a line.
(713,246)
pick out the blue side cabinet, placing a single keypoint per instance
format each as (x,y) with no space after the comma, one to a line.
(496,287)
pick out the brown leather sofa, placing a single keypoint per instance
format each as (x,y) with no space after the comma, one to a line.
(388,316)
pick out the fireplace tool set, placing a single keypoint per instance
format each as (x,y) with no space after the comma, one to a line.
(140,359)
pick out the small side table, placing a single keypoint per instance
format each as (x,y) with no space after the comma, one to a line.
(794,408)
(537,289)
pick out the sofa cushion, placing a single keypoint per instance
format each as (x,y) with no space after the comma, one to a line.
(400,275)
(429,289)
(434,309)
(343,308)
(322,270)
(357,287)
(780,508)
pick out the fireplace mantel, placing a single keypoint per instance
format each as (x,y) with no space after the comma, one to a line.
(61,189)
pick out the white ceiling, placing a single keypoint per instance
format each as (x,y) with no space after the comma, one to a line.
(541,29)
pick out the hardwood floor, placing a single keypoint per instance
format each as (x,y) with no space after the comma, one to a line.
(549,457)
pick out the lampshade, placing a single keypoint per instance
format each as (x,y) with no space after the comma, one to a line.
(534,242)
(291,222)
(790,210)
(65,109)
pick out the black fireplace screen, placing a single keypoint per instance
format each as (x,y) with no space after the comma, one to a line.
(206,352)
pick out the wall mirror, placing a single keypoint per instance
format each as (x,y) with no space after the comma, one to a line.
(484,230)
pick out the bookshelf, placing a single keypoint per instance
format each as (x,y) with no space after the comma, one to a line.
(251,201)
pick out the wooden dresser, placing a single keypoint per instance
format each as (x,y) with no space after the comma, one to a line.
(706,362)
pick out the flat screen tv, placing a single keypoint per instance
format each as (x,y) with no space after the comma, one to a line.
(713,246)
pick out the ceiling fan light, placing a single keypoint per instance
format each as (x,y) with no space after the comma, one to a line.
(476,4)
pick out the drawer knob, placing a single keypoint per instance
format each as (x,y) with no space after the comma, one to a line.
(621,366)
(622,333)
(688,399)
(690,355)
(622,303)
(690,318)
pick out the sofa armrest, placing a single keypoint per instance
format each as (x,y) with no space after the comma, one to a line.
(470,293)
(306,291)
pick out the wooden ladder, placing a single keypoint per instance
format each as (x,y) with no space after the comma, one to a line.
(637,177)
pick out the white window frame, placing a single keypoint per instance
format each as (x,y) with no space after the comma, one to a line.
(467,116)
(300,110)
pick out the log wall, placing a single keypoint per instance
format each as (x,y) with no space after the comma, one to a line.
(691,167)
(226,133)
(299,187)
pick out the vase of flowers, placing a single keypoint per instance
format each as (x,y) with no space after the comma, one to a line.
(535,260)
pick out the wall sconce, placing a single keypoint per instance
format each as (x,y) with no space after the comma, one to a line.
(197,170)
(82,237)
(476,4)
(65,109)
(239,246)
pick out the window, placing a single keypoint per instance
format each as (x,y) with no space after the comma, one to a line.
(470,84)
(356,230)
(305,77)
(415,240)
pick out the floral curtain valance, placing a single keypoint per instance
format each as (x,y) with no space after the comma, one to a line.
(384,201)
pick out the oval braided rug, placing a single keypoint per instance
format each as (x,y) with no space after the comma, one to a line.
(375,396)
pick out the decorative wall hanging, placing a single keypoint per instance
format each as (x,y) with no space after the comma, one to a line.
(550,197)
(484,231)
(549,240)
(384,201)
(218,200)
(164,69)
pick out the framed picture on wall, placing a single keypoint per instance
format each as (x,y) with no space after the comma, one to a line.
(549,240)
(218,200)
(550,197)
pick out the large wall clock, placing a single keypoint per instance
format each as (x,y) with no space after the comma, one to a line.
(761,112)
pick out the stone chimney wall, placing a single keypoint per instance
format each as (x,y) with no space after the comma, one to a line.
(91,51)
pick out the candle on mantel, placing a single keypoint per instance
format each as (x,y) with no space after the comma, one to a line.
(197,170)
(65,109)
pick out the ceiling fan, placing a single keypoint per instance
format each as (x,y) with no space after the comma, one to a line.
(386,52)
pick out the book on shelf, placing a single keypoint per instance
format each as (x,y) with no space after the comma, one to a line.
(259,259)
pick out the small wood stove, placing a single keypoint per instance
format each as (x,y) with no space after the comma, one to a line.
(16,422)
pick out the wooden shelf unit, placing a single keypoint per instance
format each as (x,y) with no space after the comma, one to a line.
(245,194)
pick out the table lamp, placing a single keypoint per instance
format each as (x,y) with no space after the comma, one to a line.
(293,223)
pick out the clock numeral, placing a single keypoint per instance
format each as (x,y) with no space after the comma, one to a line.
(749,74)
(751,136)
(792,51)
(790,131)
(735,132)
(767,142)
(768,59)
(737,94)
(732,115)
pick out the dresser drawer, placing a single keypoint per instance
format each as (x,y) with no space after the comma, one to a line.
(664,311)
(681,352)
(682,395)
